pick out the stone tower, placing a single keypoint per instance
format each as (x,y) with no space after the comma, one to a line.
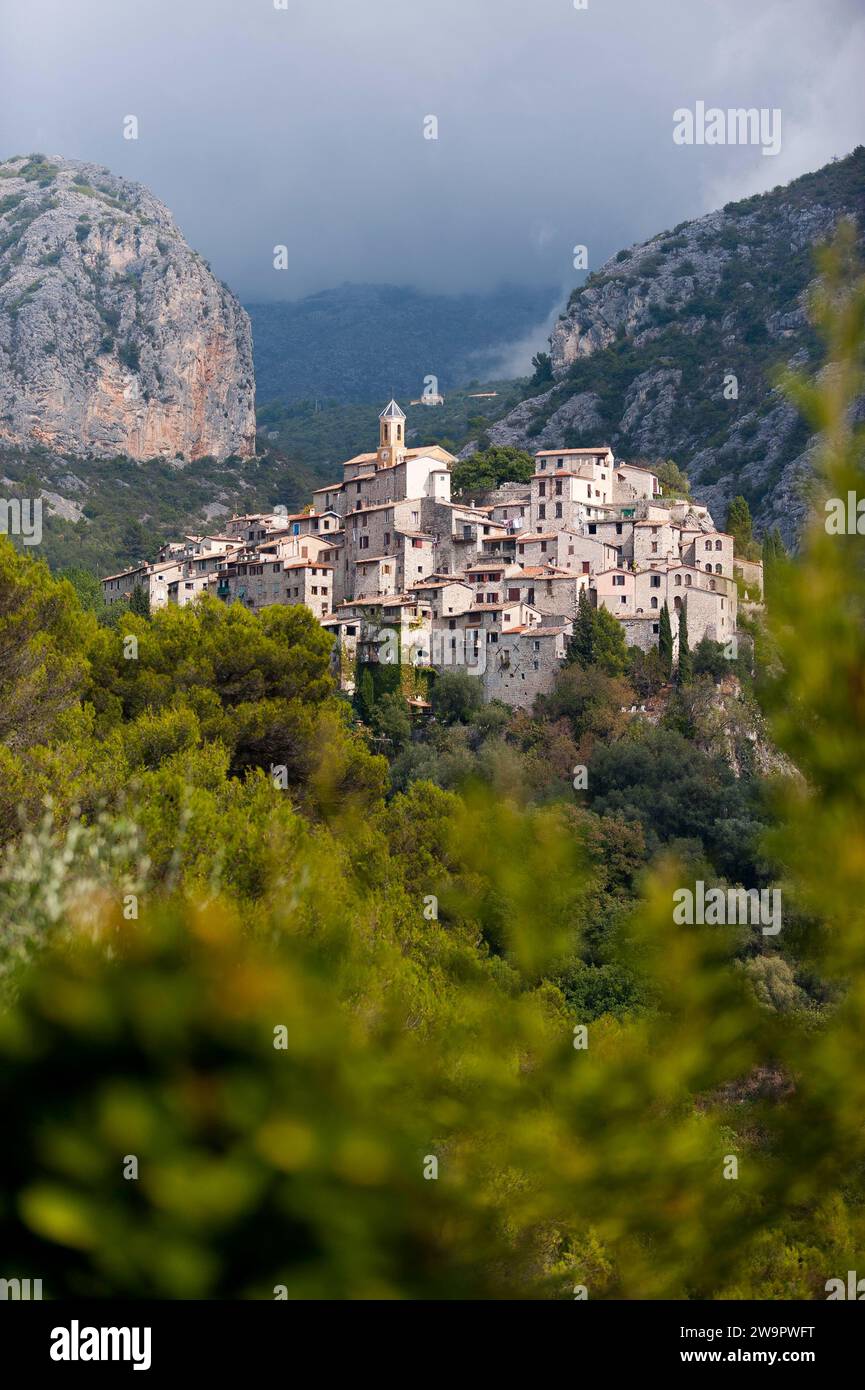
(391,438)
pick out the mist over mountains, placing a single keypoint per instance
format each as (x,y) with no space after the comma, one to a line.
(359,343)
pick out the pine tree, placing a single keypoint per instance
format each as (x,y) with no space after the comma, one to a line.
(581,645)
(686,661)
(665,642)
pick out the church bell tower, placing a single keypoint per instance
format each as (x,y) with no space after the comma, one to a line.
(391,437)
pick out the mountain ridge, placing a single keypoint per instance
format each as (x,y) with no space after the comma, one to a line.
(670,348)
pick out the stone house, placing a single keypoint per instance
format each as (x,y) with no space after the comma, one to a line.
(616,590)
(524,663)
(258,581)
(121,586)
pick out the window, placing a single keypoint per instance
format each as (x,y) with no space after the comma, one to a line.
(719,545)
(688,581)
(709,568)
(623,599)
(513,595)
(593,529)
(678,581)
(542,488)
(542,512)
(654,603)
(586,567)
(655,627)
(558,509)
(364,543)
(618,580)
(655,581)
(387,537)
(718,569)
(618,528)
(536,646)
(708,545)
(559,486)
(712,584)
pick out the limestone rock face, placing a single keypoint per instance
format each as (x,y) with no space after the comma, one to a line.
(115,337)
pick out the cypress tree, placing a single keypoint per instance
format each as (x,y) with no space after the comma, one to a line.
(139,602)
(774,558)
(739,523)
(581,645)
(365,698)
(686,661)
(665,642)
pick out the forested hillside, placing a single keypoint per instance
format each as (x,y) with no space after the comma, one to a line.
(101,515)
(362,343)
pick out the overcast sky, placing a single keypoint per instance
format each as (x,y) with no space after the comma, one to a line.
(304,126)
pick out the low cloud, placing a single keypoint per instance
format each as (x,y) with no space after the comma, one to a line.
(305,127)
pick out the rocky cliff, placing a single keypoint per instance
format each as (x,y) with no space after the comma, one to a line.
(670,349)
(115,338)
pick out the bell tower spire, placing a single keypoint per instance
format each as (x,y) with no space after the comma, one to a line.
(391,439)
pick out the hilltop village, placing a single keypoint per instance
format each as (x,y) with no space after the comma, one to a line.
(400,573)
